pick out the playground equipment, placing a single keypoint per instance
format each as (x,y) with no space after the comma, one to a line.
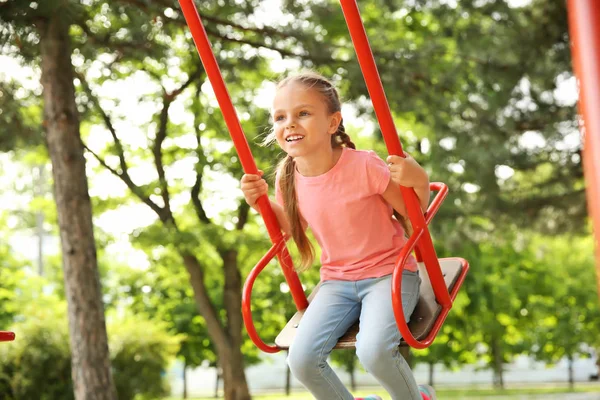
(7,336)
(443,277)
(584,29)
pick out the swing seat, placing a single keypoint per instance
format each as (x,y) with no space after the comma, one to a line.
(421,321)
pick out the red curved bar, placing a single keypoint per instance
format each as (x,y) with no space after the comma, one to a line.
(397,290)
(247,298)
(241,144)
(399,312)
(7,336)
(433,208)
(397,278)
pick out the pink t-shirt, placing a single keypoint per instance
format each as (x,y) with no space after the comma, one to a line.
(351,221)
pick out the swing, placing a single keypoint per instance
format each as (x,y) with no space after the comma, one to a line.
(441,279)
(7,336)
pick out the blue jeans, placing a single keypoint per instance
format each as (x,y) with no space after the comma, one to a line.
(336,306)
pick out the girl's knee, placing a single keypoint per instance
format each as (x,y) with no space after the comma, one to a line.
(303,361)
(374,355)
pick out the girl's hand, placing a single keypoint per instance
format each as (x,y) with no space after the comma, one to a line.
(407,172)
(253,186)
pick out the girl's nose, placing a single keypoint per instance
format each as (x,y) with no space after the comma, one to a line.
(291,125)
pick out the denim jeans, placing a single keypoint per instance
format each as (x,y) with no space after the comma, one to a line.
(336,306)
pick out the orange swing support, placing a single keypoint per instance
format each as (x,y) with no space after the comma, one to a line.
(444,290)
(584,29)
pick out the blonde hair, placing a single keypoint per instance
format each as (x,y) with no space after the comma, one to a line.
(287,167)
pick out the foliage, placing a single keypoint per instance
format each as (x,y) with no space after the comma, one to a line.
(567,319)
(475,90)
(37,365)
(141,351)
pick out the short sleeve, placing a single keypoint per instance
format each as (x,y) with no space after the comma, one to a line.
(278,194)
(378,173)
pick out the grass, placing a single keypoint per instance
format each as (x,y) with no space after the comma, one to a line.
(444,393)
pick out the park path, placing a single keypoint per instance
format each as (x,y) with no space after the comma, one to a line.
(559,396)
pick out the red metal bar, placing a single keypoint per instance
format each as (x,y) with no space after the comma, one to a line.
(433,208)
(388,129)
(584,28)
(7,336)
(397,295)
(241,144)
(399,312)
(247,298)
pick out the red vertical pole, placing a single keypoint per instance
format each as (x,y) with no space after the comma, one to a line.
(368,67)
(241,144)
(584,29)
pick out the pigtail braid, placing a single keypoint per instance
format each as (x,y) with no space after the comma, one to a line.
(341,138)
(287,185)
(405,222)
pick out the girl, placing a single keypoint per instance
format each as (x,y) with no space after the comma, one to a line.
(347,198)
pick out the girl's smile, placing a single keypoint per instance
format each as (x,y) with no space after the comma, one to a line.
(303,125)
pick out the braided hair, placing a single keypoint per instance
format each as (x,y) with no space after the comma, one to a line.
(287,167)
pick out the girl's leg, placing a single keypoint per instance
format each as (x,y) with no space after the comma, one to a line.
(379,338)
(333,310)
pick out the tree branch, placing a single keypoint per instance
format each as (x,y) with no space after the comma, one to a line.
(107,122)
(136,190)
(215,20)
(161,135)
(243,210)
(195,192)
(163,213)
(262,31)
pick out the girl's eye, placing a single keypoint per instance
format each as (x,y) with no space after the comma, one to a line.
(278,118)
(303,113)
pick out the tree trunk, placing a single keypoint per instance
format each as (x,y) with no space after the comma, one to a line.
(227,341)
(217,383)
(353,380)
(288,378)
(431,371)
(39,185)
(185,393)
(497,360)
(571,373)
(234,377)
(91,374)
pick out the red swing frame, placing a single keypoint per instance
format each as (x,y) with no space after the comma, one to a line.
(584,29)
(420,241)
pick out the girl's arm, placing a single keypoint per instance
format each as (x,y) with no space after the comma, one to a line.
(393,196)
(280,214)
(406,172)
(254,186)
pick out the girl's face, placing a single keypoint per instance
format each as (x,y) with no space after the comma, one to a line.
(301,120)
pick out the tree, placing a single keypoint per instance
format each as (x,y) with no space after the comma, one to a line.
(567,316)
(464,97)
(185,228)
(89,343)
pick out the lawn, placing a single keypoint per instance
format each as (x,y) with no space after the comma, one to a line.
(463,393)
